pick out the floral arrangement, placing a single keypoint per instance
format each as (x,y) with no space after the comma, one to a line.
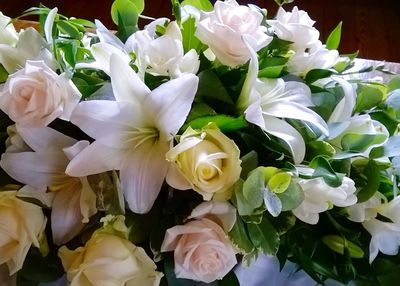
(170,154)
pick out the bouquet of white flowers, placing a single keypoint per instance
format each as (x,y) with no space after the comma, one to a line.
(170,154)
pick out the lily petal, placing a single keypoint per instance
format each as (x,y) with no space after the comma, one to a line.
(48,25)
(106,36)
(344,108)
(126,83)
(287,133)
(66,218)
(42,139)
(171,102)
(102,53)
(296,111)
(37,169)
(94,159)
(101,117)
(142,175)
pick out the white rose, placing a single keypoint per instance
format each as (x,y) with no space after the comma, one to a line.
(223,30)
(206,161)
(8,35)
(21,226)
(296,27)
(163,55)
(202,249)
(36,95)
(320,197)
(316,57)
(109,258)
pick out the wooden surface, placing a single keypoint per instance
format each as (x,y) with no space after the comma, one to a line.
(370,26)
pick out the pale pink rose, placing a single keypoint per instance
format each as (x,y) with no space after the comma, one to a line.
(202,249)
(223,30)
(35,95)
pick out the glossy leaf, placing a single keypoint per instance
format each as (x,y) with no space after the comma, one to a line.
(264,237)
(368,96)
(240,238)
(324,169)
(189,40)
(292,197)
(371,185)
(333,41)
(203,5)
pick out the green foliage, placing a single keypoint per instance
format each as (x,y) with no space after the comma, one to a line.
(3,74)
(324,169)
(264,237)
(333,41)
(224,122)
(189,40)
(125,14)
(368,96)
(203,5)
(369,182)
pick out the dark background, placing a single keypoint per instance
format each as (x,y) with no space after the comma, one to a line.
(370,26)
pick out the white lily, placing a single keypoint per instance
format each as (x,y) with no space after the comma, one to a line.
(43,168)
(134,132)
(266,101)
(385,235)
(8,35)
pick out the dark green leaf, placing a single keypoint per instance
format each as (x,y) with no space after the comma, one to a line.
(333,41)
(264,237)
(249,163)
(125,14)
(83,22)
(210,87)
(239,237)
(3,74)
(324,169)
(316,74)
(387,119)
(371,185)
(316,148)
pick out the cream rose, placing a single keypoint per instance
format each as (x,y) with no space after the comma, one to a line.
(108,258)
(21,226)
(223,30)
(8,35)
(202,249)
(36,95)
(206,161)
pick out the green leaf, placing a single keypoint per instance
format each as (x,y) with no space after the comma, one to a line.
(176,10)
(243,205)
(339,243)
(333,41)
(3,74)
(387,118)
(316,74)
(200,110)
(224,122)
(124,14)
(239,237)
(282,2)
(272,67)
(210,87)
(316,148)
(249,163)
(68,29)
(253,188)
(203,5)
(368,96)
(189,40)
(360,142)
(393,84)
(284,222)
(82,22)
(324,169)
(279,182)
(372,182)
(264,237)
(292,197)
